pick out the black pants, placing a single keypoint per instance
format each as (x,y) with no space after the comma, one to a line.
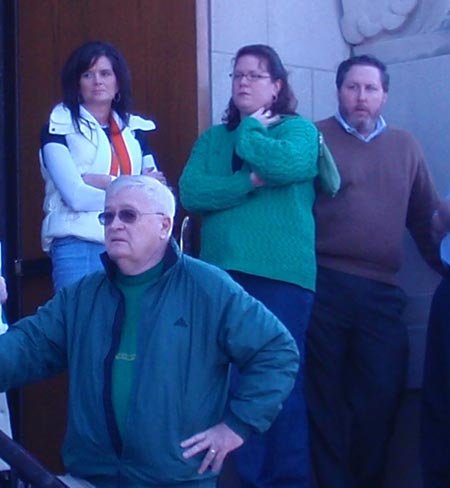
(435,440)
(356,360)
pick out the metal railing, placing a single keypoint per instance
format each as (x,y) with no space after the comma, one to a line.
(26,466)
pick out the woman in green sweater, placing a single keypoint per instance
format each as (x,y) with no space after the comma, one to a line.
(252,181)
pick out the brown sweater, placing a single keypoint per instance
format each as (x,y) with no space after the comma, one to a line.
(386,186)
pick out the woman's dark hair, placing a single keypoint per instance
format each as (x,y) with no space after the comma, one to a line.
(363,60)
(284,104)
(79,62)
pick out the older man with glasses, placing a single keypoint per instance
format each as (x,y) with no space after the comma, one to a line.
(148,344)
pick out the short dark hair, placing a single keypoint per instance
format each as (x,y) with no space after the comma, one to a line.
(80,61)
(363,60)
(285,102)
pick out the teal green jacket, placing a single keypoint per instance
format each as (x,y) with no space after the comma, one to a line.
(266,231)
(195,322)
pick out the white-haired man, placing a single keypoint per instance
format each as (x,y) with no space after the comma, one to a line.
(148,344)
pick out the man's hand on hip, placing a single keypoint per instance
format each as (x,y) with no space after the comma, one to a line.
(218,441)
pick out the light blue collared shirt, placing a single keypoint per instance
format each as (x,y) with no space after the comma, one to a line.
(445,250)
(379,128)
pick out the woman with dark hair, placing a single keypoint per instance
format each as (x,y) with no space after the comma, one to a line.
(252,181)
(90,139)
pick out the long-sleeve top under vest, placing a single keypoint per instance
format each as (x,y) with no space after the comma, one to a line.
(71,206)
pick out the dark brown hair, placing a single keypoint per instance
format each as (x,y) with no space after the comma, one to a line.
(285,104)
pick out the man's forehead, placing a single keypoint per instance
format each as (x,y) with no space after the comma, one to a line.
(364,72)
(131,196)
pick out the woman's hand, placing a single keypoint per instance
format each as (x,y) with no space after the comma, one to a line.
(440,223)
(3,290)
(159,175)
(256,180)
(265,117)
(97,180)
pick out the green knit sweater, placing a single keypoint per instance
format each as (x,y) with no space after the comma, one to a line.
(266,231)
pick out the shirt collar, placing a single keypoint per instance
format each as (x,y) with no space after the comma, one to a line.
(379,128)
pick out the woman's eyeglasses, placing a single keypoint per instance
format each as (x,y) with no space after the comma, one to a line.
(251,77)
(126,215)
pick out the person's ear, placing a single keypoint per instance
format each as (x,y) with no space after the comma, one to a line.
(277,87)
(166,227)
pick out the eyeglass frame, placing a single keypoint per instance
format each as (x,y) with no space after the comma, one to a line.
(250,77)
(137,214)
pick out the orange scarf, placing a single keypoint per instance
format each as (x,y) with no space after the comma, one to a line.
(120,161)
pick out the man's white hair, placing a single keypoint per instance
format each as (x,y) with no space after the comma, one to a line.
(158,194)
